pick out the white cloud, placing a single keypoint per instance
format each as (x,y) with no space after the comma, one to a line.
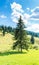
(26,16)
(36,9)
(17,11)
(17,7)
(35,14)
(14,5)
(28,9)
(3,16)
(33,27)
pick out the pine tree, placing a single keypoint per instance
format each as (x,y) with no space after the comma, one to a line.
(32,39)
(3,30)
(20,36)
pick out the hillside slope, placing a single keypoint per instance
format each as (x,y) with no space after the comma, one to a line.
(5,42)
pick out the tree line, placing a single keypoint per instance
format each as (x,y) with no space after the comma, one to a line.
(6,29)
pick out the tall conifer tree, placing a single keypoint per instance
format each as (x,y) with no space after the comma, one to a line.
(20,36)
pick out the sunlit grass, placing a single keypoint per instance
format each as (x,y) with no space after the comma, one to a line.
(10,57)
(6,42)
(29,58)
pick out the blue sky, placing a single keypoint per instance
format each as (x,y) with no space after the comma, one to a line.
(10,10)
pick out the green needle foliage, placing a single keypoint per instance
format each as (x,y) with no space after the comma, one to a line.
(3,30)
(32,39)
(20,36)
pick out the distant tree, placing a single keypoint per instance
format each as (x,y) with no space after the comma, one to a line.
(13,31)
(20,36)
(3,30)
(0,28)
(32,39)
(9,29)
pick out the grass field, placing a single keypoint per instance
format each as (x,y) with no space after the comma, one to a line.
(5,42)
(15,58)
(10,57)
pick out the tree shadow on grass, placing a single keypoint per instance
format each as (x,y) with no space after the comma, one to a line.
(11,52)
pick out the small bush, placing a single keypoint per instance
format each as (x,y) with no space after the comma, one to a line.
(35,47)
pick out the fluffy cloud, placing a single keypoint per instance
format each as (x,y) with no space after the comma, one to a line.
(17,11)
(33,27)
(35,14)
(36,9)
(28,9)
(17,7)
(3,16)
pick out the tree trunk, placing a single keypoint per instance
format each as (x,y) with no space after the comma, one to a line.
(21,48)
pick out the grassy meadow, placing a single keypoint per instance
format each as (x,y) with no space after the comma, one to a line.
(10,57)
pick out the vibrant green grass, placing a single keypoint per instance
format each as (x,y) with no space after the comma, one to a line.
(14,58)
(9,57)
